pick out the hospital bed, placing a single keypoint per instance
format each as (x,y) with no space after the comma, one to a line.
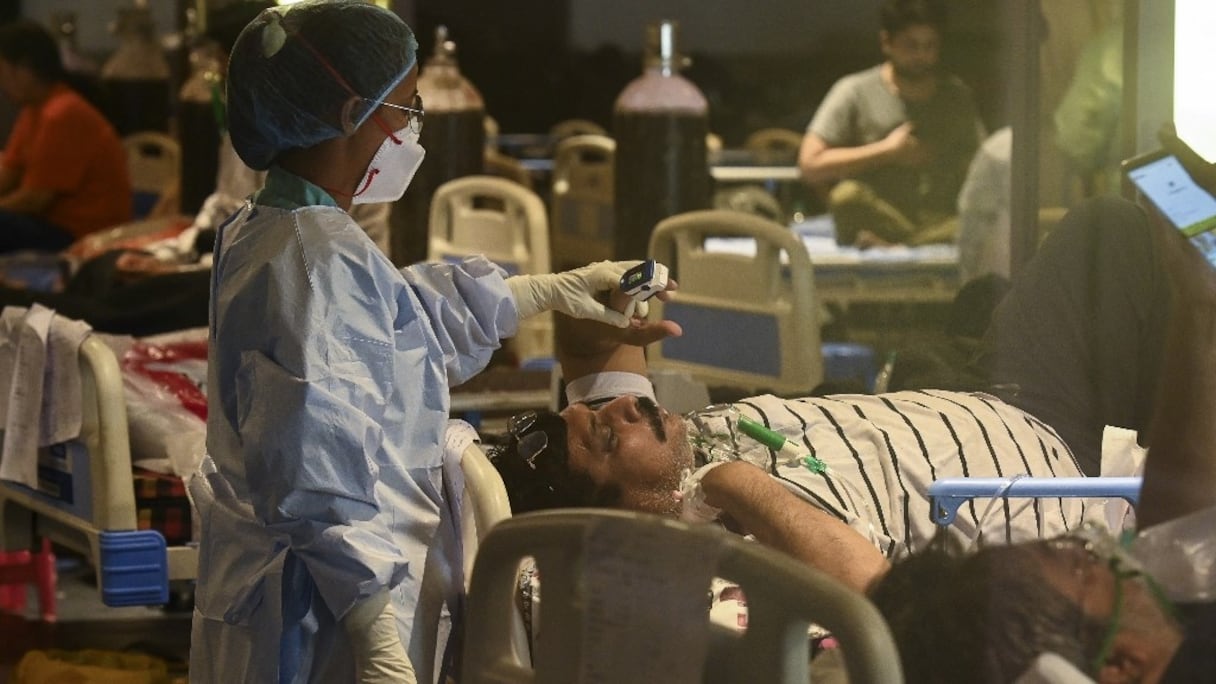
(948,494)
(88,501)
(633,608)
(879,275)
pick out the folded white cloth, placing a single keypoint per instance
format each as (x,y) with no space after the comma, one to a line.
(1121,457)
(40,402)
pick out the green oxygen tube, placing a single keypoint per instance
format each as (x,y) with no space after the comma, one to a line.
(789,450)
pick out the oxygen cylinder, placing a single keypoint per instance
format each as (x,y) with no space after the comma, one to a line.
(200,112)
(135,80)
(660,122)
(81,72)
(453,134)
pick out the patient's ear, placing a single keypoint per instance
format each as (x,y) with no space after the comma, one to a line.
(347,115)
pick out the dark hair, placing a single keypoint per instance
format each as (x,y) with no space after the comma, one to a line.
(897,15)
(548,482)
(982,617)
(28,44)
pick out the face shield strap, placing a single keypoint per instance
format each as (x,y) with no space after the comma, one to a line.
(341,80)
(329,67)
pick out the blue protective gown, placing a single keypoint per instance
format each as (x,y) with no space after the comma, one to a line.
(327,400)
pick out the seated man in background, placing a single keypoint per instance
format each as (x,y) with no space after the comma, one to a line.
(64,171)
(898,137)
(1084,599)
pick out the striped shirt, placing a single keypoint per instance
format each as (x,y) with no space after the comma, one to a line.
(882,452)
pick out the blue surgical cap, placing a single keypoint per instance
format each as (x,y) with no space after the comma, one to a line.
(293,69)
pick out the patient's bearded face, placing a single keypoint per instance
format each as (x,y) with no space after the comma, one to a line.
(631,444)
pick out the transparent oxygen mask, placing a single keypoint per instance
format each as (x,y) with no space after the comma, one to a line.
(722,433)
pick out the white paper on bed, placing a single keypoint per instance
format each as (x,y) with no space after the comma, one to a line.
(40,401)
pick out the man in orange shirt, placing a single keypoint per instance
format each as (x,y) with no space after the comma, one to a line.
(64,172)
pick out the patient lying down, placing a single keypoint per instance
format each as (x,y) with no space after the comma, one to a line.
(861,502)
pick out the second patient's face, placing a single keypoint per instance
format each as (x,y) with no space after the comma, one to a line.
(633,445)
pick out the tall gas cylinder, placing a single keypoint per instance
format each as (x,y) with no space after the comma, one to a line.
(660,122)
(81,72)
(200,112)
(135,79)
(453,134)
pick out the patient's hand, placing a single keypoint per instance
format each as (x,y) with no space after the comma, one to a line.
(585,337)
(642,330)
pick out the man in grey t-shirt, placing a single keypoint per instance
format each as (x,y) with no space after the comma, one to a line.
(898,137)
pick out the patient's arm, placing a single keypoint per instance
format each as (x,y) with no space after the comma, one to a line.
(585,346)
(821,162)
(1180,472)
(783,521)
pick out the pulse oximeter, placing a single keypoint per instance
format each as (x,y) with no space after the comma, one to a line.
(645,280)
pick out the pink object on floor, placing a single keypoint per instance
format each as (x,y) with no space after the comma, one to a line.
(19,568)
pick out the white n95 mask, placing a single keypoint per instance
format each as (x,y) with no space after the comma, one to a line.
(391,169)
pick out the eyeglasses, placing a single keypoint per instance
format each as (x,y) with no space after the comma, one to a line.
(414,112)
(530,442)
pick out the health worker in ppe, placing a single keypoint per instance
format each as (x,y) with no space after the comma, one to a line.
(329,368)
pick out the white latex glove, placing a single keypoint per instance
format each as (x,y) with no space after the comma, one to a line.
(693,508)
(380,658)
(574,292)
